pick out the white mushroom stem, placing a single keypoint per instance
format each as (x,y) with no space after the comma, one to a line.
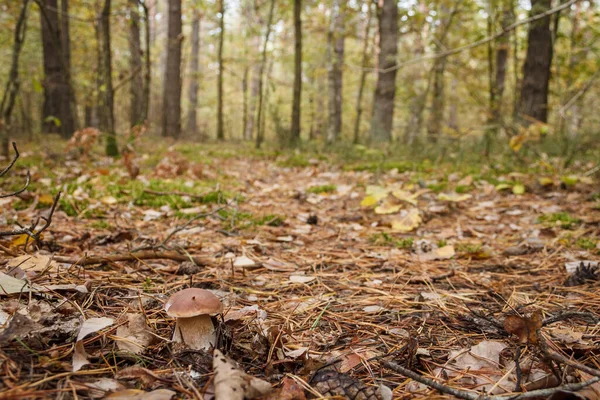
(197,333)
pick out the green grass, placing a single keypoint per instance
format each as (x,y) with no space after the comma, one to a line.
(469,248)
(586,243)
(562,219)
(382,239)
(322,189)
(99,224)
(294,161)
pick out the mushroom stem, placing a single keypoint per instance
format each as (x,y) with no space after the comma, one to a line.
(197,333)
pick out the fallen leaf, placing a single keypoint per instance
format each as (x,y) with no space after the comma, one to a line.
(406,196)
(92,325)
(453,197)
(134,336)
(232,383)
(407,221)
(441,253)
(525,328)
(388,208)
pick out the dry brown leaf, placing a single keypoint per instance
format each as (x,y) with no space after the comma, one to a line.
(232,383)
(525,328)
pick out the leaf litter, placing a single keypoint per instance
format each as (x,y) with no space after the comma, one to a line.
(356,284)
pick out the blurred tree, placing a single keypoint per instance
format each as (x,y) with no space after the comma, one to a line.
(136,87)
(335,51)
(106,113)
(385,92)
(297,99)
(220,128)
(192,123)
(172,83)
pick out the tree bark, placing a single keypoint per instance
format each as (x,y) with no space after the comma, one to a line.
(295,131)
(533,103)
(13,83)
(502,47)
(438,101)
(363,74)
(57,111)
(336,60)
(148,71)
(263,62)
(192,123)
(136,86)
(65,41)
(172,84)
(254,87)
(220,128)
(385,91)
(106,116)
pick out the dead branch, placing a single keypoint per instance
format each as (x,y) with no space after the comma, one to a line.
(31,231)
(467,395)
(182,194)
(137,255)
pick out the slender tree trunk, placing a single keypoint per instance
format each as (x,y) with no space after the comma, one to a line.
(192,124)
(172,83)
(452,108)
(363,74)
(438,101)
(533,103)
(220,128)
(336,59)
(263,62)
(57,113)
(254,87)
(136,85)
(385,91)
(12,85)
(65,41)
(147,71)
(502,47)
(296,105)
(569,124)
(106,116)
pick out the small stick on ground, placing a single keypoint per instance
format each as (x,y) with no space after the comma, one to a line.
(137,255)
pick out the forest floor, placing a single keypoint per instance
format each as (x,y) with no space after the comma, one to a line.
(337,279)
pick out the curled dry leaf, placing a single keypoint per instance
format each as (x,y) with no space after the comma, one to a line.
(134,336)
(231,383)
(92,325)
(525,328)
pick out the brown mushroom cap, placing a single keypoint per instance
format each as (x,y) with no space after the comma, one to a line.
(192,302)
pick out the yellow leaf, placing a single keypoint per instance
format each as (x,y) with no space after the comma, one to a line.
(406,196)
(453,197)
(378,192)
(545,181)
(586,180)
(20,240)
(388,208)
(503,186)
(46,199)
(516,142)
(518,188)
(368,202)
(108,200)
(407,222)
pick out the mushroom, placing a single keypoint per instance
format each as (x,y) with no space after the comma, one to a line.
(192,309)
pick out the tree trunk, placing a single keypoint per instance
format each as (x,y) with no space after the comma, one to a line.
(65,41)
(106,117)
(363,74)
(13,83)
(263,62)
(57,112)
(336,60)
(147,72)
(136,86)
(533,103)
(295,132)
(502,46)
(220,129)
(385,91)
(254,87)
(172,83)
(438,101)
(192,123)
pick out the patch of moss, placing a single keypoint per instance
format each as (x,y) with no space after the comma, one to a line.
(99,224)
(586,243)
(469,248)
(294,161)
(384,238)
(322,189)
(563,219)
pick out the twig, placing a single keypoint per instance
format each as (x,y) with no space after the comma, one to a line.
(467,395)
(30,232)
(137,255)
(572,314)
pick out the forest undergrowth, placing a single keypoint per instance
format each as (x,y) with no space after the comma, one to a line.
(351,273)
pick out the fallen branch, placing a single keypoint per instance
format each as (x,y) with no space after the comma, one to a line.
(467,395)
(136,255)
(182,194)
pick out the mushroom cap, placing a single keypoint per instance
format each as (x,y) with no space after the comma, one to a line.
(192,302)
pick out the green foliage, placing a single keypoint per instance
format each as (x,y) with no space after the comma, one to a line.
(322,189)
(294,161)
(468,248)
(100,224)
(562,219)
(586,243)
(384,238)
